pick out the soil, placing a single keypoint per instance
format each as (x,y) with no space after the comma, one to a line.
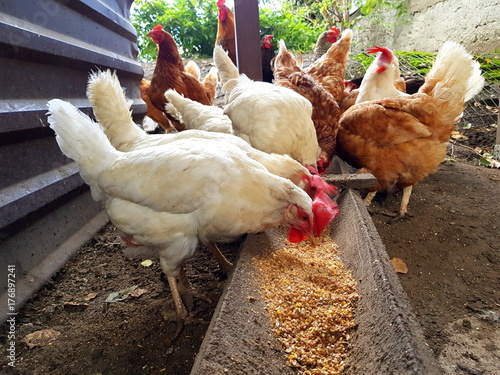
(449,242)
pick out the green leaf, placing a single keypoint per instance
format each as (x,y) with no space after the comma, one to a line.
(484,162)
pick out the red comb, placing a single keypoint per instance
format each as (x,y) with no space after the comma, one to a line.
(335,30)
(317,183)
(324,211)
(385,51)
(384,58)
(158,27)
(221,2)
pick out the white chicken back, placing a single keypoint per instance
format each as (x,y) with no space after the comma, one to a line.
(271,118)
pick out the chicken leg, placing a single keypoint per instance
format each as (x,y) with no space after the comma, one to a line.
(369,197)
(403,208)
(224,264)
(179,306)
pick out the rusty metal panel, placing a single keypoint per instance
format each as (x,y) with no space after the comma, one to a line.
(47,50)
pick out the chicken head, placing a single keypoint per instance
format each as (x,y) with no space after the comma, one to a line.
(332,34)
(324,210)
(384,59)
(157,34)
(223,10)
(267,41)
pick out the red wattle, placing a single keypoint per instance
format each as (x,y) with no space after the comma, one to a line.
(295,235)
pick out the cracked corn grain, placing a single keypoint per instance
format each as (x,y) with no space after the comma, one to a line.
(310,298)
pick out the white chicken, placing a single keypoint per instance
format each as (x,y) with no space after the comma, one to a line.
(382,78)
(112,110)
(174,196)
(271,118)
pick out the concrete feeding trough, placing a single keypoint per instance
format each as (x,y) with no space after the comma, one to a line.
(387,340)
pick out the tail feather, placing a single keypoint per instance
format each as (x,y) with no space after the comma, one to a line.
(453,79)
(112,109)
(210,83)
(284,58)
(341,46)
(176,104)
(228,72)
(475,83)
(193,68)
(82,140)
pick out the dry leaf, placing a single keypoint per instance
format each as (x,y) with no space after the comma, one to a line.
(138,292)
(120,295)
(458,136)
(399,265)
(90,296)
(40,338)
(147,263)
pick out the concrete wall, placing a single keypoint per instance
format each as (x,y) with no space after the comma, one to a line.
(473,23)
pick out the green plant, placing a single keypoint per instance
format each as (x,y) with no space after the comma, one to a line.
(490,66)
(416,62)
(344,13)
(298,34)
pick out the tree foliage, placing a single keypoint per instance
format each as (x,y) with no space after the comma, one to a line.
(343,13)
(193,23)
(299,34)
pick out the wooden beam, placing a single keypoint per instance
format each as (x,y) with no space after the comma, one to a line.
(249,61)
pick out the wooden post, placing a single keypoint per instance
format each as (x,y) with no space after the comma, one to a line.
(246,14)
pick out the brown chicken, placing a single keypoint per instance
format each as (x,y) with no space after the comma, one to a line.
(170,73)
(325,112)
(225,30)
(351,92)
(329,70)
(154,113)
(401,140)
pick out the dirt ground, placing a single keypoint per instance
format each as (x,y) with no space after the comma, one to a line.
(450,243)
(452,249)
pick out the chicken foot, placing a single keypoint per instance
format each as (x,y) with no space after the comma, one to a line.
(369,197)
(224,264)
(187,292)
(181,287)
(179,306)
(403,208)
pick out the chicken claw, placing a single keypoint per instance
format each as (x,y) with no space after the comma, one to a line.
(225,265)
(179,307)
